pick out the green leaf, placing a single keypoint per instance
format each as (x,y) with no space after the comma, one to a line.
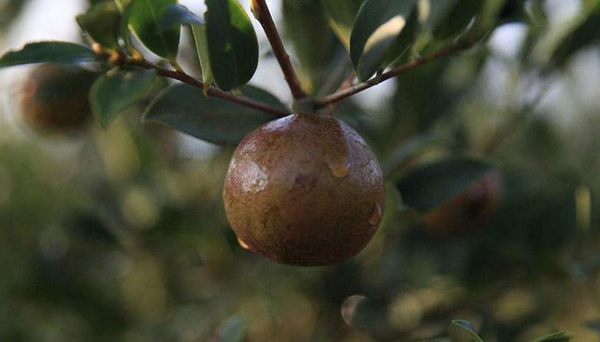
(101,23)
(429,186)
(117,90)
(48,52)
(176,15)
(145,18)
(449,18)
(306,27)
(219,121)
(341,16)
(232,330)
(199,32)
(467,327)
(561,336)
(232,43)
(377,29)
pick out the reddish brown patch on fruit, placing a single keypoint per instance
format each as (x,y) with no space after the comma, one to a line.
(467,211)
(54,98)
(304,190)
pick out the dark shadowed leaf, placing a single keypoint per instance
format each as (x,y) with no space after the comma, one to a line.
(378,27)
(429,186)
(145,19)
(582,35)
(117,90)
(232,43)
(561,336)
(186,109)
(341,15)
(101,23)
(48,52)
(470,335)
(176,15)
(450,18)
(306,27)
(232,330)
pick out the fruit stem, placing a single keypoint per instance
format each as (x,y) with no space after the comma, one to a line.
(263,15)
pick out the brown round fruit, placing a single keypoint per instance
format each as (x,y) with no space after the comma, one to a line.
(304,190)
(54,98)
(467,211)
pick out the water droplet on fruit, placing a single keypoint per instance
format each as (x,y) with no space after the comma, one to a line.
(255,179)
(376,216)
(339,168)
(242,244)
(350,306)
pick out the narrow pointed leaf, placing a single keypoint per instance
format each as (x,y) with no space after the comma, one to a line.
(232,43)
(376,31)
(561,336)
(101,23)
(199,32)
(429,186)
(116,91)
(215,120)
(468,328)
(145,19)
(124,31)
(48,52)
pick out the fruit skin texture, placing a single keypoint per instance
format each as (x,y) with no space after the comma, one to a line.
(304,190)
(467,211)
(54,99)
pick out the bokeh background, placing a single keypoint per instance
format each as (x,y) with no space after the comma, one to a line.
(119,233)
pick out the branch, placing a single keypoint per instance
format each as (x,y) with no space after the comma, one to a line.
(262,14)
(212,91)
(344,93)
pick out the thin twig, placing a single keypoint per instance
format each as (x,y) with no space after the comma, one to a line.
(212,91)
(340,95)
(262,14)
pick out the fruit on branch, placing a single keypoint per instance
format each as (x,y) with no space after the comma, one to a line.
(469,210)
(54,99)
(305,190)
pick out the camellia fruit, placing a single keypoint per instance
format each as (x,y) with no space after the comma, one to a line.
(304,190)
(54,99)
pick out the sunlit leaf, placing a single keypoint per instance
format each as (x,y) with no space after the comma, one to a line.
(145,19)
(48,52)
(199,32)
(232,43)
(378,27)
(431,185)
(116,91)
(186,109)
